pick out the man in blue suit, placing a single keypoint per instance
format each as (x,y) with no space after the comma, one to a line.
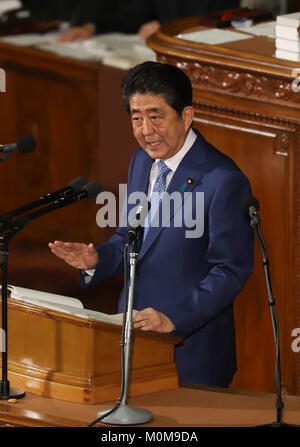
(186,280)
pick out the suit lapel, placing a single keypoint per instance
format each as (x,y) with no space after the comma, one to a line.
(186,177)
(141,181)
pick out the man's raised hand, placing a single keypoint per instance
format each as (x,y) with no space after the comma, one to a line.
(79,255)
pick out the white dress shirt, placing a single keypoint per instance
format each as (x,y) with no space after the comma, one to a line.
(172,162)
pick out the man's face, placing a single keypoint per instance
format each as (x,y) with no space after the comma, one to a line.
(157,127)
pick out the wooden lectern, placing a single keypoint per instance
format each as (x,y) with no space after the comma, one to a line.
(59,355)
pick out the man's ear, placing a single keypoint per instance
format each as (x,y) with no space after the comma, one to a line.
(188,116)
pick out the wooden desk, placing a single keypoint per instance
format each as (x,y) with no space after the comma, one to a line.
(183,407)
(245,106)
(70,357)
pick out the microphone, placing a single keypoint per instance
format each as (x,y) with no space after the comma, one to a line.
(24,145)
(73,187)
(250,207)
(137,223)
(88,191)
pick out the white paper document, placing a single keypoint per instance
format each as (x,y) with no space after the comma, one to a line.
(30,39)
(262,29)
(64,304)
(116,49)
(214,36)
(292,19)
(22,293)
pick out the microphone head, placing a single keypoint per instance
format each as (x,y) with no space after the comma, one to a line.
(78,183)
(248,202)
(92,189)
(26,144)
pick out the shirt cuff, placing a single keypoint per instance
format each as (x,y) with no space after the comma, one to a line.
(88,275)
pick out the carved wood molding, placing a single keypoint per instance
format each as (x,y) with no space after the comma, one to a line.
(282,130)
(283,144)
(243,114)
(234,82)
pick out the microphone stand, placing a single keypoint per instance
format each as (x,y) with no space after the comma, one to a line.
(11,229)
(6,392)
(255,224)
(122,413)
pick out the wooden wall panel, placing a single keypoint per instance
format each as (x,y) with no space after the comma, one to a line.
(74,110)
(62,116)
(246,143)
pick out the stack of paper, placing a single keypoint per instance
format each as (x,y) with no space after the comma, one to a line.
(7,5)
(287,36)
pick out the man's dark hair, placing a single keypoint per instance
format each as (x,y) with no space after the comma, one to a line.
(158,79)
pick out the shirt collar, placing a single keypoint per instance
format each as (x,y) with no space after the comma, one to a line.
(174,161)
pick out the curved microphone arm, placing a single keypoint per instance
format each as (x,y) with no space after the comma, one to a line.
(251,207)
(275,323)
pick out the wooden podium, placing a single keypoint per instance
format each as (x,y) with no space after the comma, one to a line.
(59,355)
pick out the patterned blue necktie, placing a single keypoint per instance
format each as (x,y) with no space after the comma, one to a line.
(157,194)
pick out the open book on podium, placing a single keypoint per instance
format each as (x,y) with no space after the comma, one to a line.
(58,349)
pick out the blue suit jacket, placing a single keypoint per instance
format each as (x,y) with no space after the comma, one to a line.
(193,281)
